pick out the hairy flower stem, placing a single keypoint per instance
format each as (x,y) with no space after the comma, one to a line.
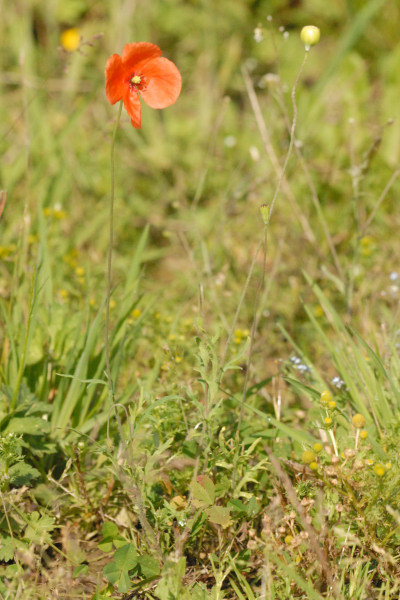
(109,256)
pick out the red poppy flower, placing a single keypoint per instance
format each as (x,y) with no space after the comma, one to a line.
(141,70)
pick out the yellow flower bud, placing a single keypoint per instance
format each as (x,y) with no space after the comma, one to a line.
(313,465)
(328,421)
(308,457)
(288,539)
(358,421)
(310,36)
(363,434)
(325,398)
(318,447)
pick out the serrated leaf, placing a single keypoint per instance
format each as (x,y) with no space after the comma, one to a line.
(38,528)
(29,425)
(203,491)
(148,566)
(220,515)
(6,549)
(22,474)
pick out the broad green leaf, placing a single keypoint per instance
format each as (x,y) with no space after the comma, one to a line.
(220,515)
(203,491)
(22,474)
(29,425)
(126,557)
(6,548)
(148,566)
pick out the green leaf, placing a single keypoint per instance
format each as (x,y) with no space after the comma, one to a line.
(148,566)
(203,491)
(237,507)
(22,474)
(80,570)
(110,534)
(220,515)
(6,549)
(126,557)
(28,425)
(253,507)
(117,571)
(38,528)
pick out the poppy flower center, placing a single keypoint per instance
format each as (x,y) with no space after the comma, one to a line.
(136,79)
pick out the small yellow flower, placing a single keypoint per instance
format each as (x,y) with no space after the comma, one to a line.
(80,271)
(388,465)
(5,251)
(308,457)
(328,421)
(332,404)
(64,294)
(70,39)
(313,465)
(379,470)
(358,421)
(363,434)
(288,539)
(318,311)
(318,447)
(369,461)
(178,359)
(325,398)
(136,313)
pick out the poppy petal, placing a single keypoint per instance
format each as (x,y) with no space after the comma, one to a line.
(138,52)
(132,106)
(163,82)
(114,79)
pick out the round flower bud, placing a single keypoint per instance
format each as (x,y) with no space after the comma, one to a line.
(328,421)
(310,36)
(307,457)
(358,421)
(288,539)
(318,447)
(313,465)
(325,398)
(363,434)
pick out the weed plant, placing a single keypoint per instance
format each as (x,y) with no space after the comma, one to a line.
(250,448)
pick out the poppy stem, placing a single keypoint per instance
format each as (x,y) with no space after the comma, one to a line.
(109,256)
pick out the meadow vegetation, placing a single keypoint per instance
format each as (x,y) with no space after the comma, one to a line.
(253,448)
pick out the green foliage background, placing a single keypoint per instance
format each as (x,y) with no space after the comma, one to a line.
(189,185)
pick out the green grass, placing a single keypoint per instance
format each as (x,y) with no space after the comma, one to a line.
(236,345)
